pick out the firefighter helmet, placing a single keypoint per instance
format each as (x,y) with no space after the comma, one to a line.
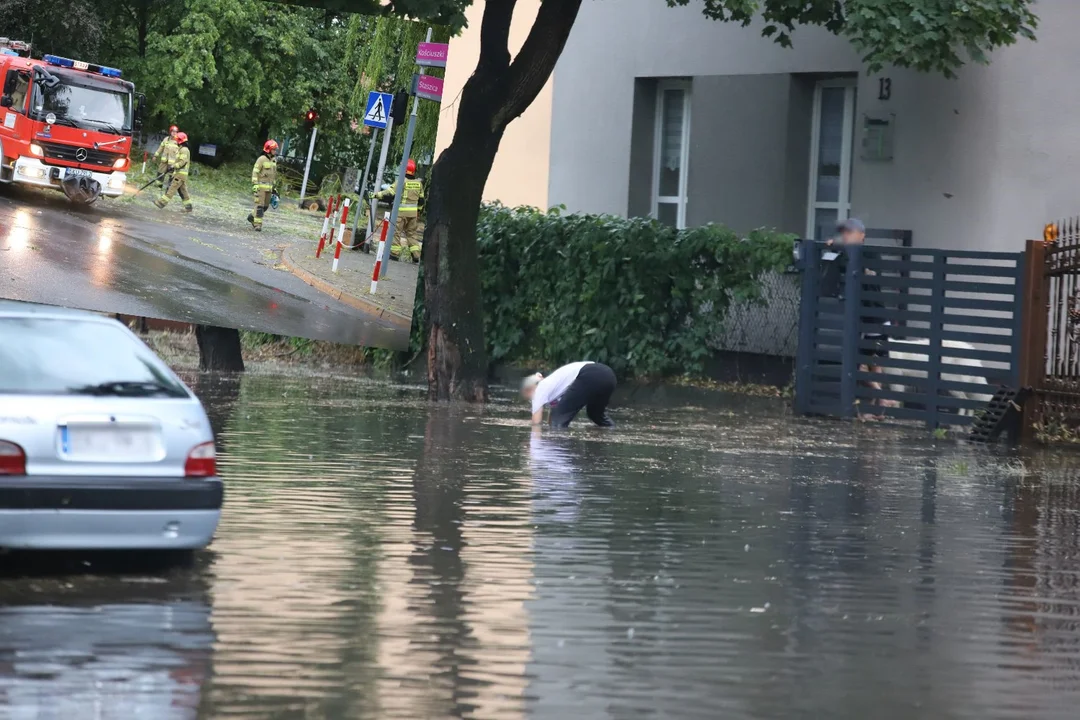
(173,128)
(410,167)
(270,146)
(181,137)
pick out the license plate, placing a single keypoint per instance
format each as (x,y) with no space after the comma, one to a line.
(75,172)
(108,443)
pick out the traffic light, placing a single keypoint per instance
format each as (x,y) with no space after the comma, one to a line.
(400,109)
(310,117)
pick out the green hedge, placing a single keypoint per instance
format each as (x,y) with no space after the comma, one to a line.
(640,296)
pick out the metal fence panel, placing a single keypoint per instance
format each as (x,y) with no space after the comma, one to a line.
(925,334)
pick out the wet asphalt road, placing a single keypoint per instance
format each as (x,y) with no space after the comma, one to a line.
(382,557)
(99,259)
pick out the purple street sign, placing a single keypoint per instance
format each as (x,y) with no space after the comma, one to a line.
(429,88)
(430,54)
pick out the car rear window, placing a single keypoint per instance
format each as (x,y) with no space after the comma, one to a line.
(55,356)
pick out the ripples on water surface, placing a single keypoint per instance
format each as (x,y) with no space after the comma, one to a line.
(382,558)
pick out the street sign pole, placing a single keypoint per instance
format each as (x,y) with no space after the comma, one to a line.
(377,182)
(307,165)
(362,187)
(400,188)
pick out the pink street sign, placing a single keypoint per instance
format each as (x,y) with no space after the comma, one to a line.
(432,54)
(429,88)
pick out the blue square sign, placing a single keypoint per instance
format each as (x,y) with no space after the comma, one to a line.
(378,109)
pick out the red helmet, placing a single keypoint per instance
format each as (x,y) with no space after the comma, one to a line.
(270,146)
(410,167)
(181,137)
(173,128)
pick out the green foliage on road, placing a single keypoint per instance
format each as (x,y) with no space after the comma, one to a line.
(640,296)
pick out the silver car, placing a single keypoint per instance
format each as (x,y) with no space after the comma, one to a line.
(102,446)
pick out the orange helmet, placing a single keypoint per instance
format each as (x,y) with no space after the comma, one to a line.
(181,137)
(270,146)
(410,167)
(173,128)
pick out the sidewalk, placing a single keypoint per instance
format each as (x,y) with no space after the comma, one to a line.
(352,282)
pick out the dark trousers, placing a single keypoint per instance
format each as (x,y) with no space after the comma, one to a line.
(592,391)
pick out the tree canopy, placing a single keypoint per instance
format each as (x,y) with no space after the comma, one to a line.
(233,72)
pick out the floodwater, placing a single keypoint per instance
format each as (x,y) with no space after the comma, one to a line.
(99,259)
(383,558)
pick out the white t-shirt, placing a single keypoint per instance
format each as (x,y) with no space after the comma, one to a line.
(554,386)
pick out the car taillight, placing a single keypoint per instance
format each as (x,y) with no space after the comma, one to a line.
(121,164)
(201,461)
(12,459)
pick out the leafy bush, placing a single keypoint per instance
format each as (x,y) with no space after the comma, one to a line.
(633,293)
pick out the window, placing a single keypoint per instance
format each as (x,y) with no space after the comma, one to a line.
(831,151)
(670,152)
(15,86)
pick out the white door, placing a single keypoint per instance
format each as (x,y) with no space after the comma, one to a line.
(671,148)
(831,151)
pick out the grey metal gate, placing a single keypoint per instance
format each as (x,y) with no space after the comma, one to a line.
(937,331)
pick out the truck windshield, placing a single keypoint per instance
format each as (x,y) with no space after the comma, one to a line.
(94,108)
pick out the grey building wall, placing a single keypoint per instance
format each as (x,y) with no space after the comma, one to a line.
(982,161)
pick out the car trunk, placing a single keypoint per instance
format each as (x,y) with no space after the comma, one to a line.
(72,435)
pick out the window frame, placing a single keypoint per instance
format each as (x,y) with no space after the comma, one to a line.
(684,159)
(847,153)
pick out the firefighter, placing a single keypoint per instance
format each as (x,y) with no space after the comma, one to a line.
(406,234)
(178,172)
(263,176)
(165,155)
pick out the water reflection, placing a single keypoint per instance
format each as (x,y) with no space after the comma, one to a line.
(384,558)
(20,230)
(131,647)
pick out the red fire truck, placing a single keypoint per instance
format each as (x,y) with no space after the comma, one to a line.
(65,124)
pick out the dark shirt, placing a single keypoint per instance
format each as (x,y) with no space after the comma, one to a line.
(833,284)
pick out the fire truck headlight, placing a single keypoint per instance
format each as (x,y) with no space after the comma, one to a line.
(120,164)
(35,149)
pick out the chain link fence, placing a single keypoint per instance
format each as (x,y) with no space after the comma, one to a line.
(769,327)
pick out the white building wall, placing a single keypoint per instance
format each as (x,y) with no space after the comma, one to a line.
(981,162)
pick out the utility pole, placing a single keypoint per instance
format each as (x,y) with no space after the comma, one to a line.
(309,119)
(400,189)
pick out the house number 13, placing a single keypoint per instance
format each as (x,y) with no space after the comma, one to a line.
(884,88)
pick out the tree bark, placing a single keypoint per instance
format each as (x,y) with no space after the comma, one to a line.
(219,348)
(497,92)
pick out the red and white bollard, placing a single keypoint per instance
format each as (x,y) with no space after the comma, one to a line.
(145,155)
(325,226)
(341,234)
(333,221)
(379,254)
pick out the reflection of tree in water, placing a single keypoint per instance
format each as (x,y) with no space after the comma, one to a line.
(439,494)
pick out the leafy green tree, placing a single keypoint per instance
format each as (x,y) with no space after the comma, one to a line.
(927,35)
(76,31)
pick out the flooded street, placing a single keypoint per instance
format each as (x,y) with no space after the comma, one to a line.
(380,557)
(105,260)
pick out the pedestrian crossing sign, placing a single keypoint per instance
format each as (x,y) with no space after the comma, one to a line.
(378,109)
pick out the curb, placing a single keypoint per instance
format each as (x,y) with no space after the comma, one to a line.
(396,319)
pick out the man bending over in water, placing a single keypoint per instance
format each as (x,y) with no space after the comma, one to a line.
(566,391)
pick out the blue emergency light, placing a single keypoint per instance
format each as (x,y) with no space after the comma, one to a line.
(79,65)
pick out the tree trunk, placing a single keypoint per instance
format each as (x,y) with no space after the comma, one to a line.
(219,348)
(143,26)
(496,93)
(457,358)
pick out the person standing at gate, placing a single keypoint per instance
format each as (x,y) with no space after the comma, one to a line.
(853,232)
(165,155)
(178,171)
(263,176)
(566,391)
